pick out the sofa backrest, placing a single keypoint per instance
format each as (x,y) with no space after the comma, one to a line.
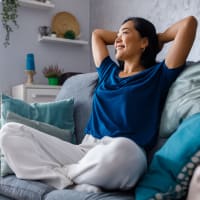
(79,87)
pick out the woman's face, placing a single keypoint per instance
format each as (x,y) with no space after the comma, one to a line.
(129,43)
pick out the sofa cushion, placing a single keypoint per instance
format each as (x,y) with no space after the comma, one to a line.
(170,171)
(15,188)
(76,195)
(183,99)
(23,190)
(79,87)
(4,198)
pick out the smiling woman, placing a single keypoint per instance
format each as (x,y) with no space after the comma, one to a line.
(125,96)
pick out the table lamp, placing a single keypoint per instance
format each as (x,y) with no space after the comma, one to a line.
(30,68)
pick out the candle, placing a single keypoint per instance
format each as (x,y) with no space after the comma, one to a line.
(30,64)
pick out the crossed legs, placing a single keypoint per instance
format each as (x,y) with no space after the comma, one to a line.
(110,163)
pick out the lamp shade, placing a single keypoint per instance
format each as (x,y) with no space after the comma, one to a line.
(30,63)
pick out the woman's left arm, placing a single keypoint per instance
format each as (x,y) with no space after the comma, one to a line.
(182,34)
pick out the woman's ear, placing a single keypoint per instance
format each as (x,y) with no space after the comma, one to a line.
(144,43)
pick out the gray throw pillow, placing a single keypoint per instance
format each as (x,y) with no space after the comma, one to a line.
(63,134)
(183,99)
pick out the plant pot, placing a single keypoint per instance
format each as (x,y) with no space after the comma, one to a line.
(53,80)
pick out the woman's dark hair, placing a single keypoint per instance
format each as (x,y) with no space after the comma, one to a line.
(146,29)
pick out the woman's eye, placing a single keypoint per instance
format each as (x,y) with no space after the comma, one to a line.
(125,32)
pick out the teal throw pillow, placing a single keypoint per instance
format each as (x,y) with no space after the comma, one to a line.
(172,167)
(57,113)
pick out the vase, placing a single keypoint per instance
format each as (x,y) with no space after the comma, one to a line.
(53,80)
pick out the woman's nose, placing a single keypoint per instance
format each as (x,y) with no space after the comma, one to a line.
(118,39)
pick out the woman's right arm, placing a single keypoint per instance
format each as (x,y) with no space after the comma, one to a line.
(100,39)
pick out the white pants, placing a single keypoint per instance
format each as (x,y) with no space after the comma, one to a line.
(110,163)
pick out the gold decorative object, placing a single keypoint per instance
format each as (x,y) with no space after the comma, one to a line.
(63,22)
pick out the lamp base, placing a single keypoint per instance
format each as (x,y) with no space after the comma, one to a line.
(30,74)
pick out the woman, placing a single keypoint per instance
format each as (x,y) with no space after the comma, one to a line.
(125,118)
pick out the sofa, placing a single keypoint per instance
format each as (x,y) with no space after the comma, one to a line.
(155,184)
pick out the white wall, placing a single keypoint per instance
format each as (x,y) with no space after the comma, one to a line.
(24,40)
(90,14)
(110,13)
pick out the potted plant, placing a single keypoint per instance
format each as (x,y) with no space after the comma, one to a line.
(70,34)
(52,72)
(9,16)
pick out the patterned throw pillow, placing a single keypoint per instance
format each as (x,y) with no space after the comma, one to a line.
(172,167)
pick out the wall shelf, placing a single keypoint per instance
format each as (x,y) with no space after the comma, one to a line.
(61,40)
(36,4)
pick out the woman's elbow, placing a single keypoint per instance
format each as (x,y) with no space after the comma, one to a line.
(96,32)
(191,23)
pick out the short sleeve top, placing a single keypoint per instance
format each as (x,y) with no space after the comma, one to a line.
(130,107)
